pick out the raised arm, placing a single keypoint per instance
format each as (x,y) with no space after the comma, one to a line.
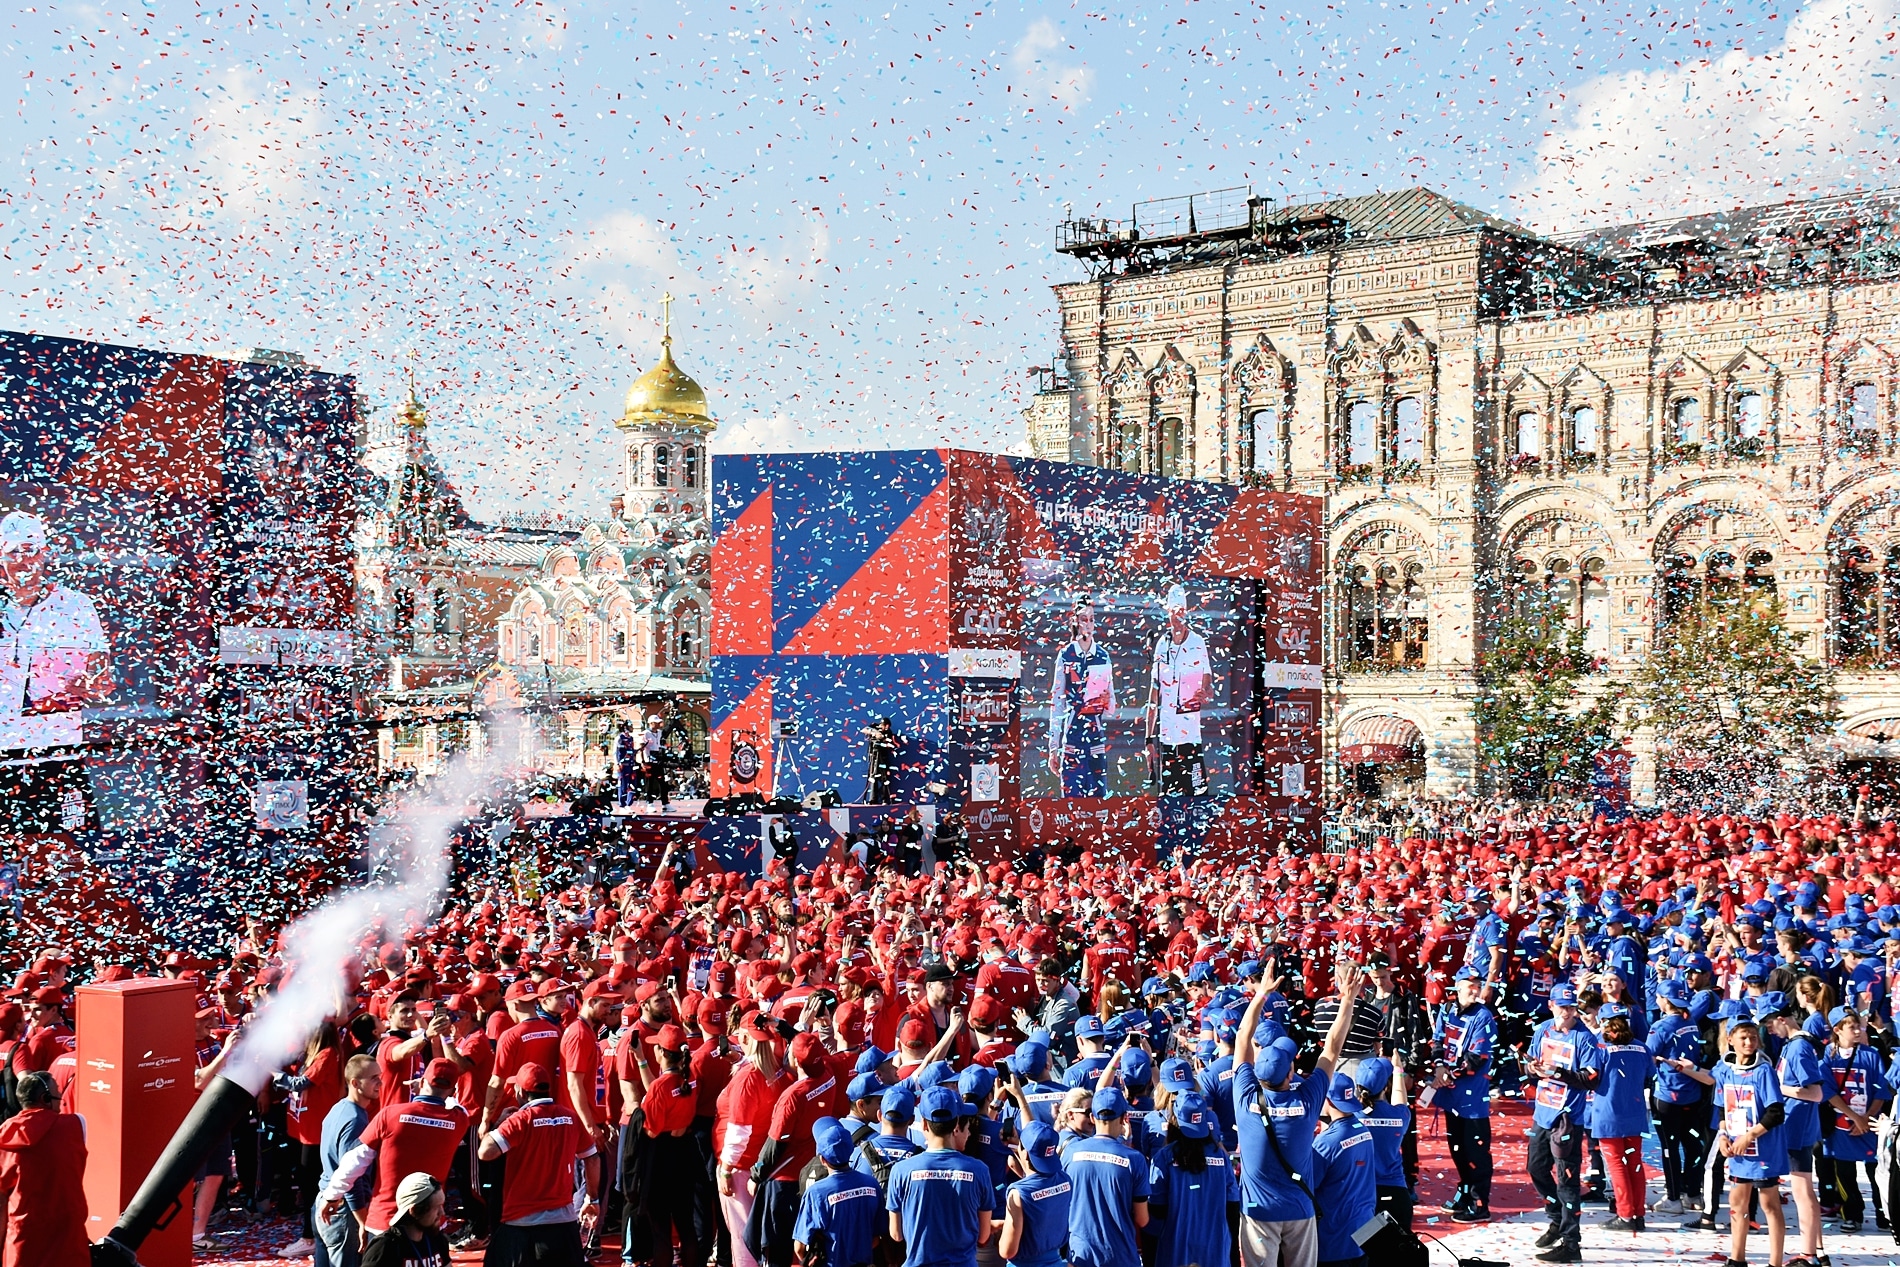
(1350,979)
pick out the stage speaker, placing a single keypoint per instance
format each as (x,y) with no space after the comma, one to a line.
(824,798)
(781,805)
(1385,1242)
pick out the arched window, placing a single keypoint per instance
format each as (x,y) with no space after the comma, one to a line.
(1263,441)
(1596,607)
(1362,433)
(532,636)
(1681,587)
(1758,575)
(444,612)
(1383,609)
(689,467)
(662,462)
(1128,446)
(1685,422)
(1751,417)
(1863,413)
(1725,581)
(403,611)
(1583,431)
(1173,447)
(1408,432)
(1864,610)
(1527,434)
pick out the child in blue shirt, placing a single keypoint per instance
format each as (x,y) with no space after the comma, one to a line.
(1389,1118)
(1748,1097)
(1193,1192)
(837,1217)
(1619,1113)
(1036,1207)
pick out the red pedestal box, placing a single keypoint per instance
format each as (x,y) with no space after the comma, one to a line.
(136,1057)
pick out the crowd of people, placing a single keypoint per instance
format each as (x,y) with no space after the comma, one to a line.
(1088,1061)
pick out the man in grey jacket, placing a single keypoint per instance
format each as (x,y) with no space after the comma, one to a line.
(1056,1011)
(340,1240)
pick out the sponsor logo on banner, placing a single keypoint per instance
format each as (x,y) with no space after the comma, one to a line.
(1292,677)
(290,648)
(986,781)
(985,707)
(281,804)
(980,662)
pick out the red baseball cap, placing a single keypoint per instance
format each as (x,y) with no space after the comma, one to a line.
(440,1070)
(671,1038)
(49,996)
(532,1077)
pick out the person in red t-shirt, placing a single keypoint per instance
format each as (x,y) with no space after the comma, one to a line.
(47,1036)
(580,1056)
(416,1135)
(535,1041)
(739,1130)
(407,1046)
(541,1141)
(1007,981)
(670,1193)
(789,1145)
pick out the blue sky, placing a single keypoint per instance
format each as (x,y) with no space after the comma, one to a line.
(855,204)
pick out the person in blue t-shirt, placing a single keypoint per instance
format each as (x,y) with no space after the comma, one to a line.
(1345,1167)
(1566,1059)
(1193,1192)
(1217,1079)
(1462,1042)
(1036,1207)
(837,1216)
(1860,1094)
(1389,1118)
(1748,1096)
(1026,1075)
(940,1201)
(977,1084)
(1091,1053)
(1275,1113)
(1108,1204)
(1618,1116)
(892,1143)
(1682,1108)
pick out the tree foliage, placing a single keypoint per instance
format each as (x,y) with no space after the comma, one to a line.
(1728,682)
(1537,728)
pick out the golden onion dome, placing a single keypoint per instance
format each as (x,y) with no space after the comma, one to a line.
(665,395)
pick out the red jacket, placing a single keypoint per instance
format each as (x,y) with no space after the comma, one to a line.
(42,1184)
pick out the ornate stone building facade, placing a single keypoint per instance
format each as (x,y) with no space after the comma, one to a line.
(611,629)
(1620,422)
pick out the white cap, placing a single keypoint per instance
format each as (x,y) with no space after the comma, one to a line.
(1176,600)
(21,531)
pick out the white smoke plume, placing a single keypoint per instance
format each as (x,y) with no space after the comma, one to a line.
(409,870)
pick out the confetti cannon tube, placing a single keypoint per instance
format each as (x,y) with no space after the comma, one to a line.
(167,1188)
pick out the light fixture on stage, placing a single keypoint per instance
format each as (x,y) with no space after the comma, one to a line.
(823,798)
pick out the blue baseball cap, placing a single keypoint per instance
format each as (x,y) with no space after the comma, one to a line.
(1192,1115)
(1109,1102)
(1248,968)
(1044,1147)
(1137,1069)
(833,1140)
(1177,1075)
(977,1083)
(1610,1011)
(1029,1060)
(1374,1074)
(899,1103)
(1206,1049)
(1840,1014)
(1732,1010)
(1470,972)
(865,1086)
(934,1074)
(1674,993)
(1089,1027)
(871,1059)
(1276,1062)
(1199,972)
(942,1105)
(1563,994)
(1773,1003)
(1343,1094)
(1153,986)
(1697,963)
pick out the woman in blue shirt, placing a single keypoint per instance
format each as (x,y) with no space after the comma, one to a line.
(1748,1096)
(1619,1113)
(1193,1192)
(1036,1207)
(1389,1118)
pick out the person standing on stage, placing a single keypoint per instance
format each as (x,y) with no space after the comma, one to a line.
(880,758)
(1081,698)
(627,751)
(1177,690)
(1467,1033)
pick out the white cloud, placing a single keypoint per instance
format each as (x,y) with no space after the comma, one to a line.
(255,146)
(769,433)
(1039,75)
(1818,114)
